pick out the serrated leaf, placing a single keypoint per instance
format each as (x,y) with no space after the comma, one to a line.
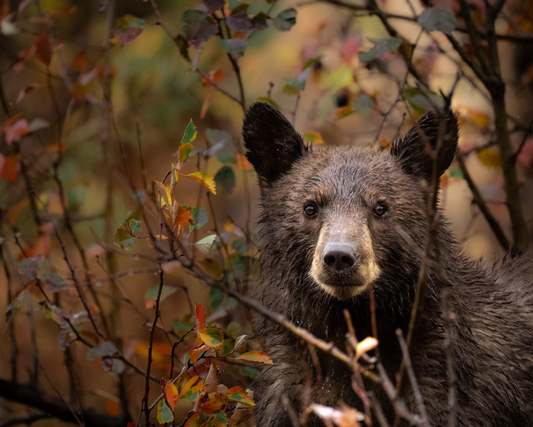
(212,337)
(135,226)
(285,20)
(258,357)
(205,245)
(438,19)
(237,394)
(238,18)
(123,239)
(164,413)
(182,216)
(225,181)
(236,47)
(151,295)
(190,134)
(28,267)
(171,394)
(204,179)
(183,153)
(191,388)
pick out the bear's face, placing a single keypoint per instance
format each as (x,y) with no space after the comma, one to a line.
(342,217)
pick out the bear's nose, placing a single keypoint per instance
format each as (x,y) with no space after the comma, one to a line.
(339,257)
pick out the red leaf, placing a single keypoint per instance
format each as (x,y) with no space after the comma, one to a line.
(43,51)
(200,315)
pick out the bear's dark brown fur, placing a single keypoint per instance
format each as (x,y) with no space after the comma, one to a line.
(493,305)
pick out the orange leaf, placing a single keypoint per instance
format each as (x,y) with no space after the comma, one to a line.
(182,216)
(11,168)
(43,50)
(205,179)
(171,394)
(213,406)
(445,180)
(80,61)
(205,105)
(239,35)
(113,408)
(160,353)
(193,356)
(256,357)
(200,315)
(194,384)
(243,162)
(313,137)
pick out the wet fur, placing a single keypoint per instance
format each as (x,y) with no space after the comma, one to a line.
(493,304)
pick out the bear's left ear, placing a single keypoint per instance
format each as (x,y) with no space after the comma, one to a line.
(272,142)
(415,151)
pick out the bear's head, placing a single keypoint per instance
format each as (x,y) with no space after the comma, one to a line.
(336,219)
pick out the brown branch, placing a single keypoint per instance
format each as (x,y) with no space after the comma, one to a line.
(478,200)
(30,395)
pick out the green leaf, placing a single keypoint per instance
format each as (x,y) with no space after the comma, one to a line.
(212,337)
(438,19)
(199,27)
(270,101)
(285,20)
(300,81)
(217,297)
(151,295)
(135,226)
(164,414)
(381,47)
(239,264)
(225,181)
(200,217)
(364,105)
(14,308)
(454,173)
(190,134)
(130,21)
(29,266)
(54,282)
(184,324)
(421,102)
(123,239)
(205,245)
(260,21)
(312,61)
(235,46)
(290,90)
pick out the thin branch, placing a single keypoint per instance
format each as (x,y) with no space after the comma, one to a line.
(478,200)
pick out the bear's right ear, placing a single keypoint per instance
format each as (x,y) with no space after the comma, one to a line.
(272,142)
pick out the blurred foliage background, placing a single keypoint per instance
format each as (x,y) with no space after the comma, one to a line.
(63,135)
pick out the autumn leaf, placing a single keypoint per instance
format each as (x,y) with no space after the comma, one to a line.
(183,153)
(171,394)
(237,394)
(243,162)
(43,51)
(191,389)
(212,76)
(211,380)
(212,337)
(190,134)
(490,157)
(164,413)
(205,179)
(213,405)
(313,137)
(193,356)
(124,239)
(200,315)
(256,357)
(28,267)
(206,244)
(182,216)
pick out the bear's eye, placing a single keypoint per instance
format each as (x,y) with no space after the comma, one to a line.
(310,208)
(380,209)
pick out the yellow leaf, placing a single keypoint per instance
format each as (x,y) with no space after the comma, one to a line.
(314,137)
(166,196)
(490,157)
(194,384)
(212,337)
(256,357)
(205,179)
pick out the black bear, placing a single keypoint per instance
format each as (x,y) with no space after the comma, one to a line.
(336,219)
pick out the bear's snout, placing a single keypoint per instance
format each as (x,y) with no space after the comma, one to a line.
(340,257)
